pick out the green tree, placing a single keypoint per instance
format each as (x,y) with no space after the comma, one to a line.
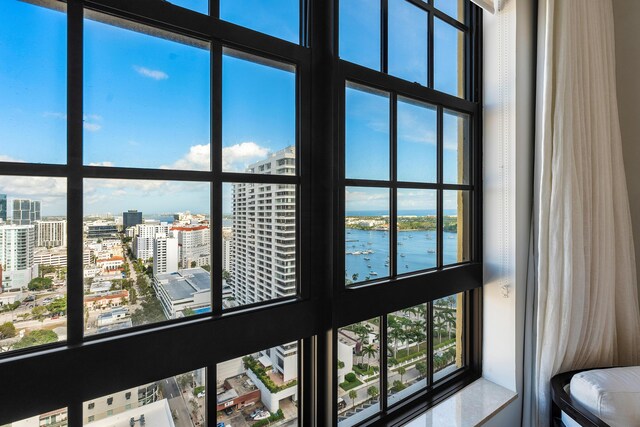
(188,311)
(39,313)
(340,364)
(133,296)
(7,330)
(58,305)
(373,392)
(352,395)
(369,351)
(37,337)
(401,371)
(208,268)
(421,367)
(194,264)
(225,274)
(40,283)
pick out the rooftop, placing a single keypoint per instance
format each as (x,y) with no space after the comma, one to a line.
(157,414)
(182,284)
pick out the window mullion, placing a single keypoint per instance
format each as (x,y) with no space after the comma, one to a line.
(75,278)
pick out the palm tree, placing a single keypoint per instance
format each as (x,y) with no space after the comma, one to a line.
(352,395)
(373,392)
(396,334)
(369,351)
(401,371)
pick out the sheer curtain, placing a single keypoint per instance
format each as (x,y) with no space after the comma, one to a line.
(587,299)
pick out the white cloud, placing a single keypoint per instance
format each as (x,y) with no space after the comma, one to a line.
(108,164)
(237,157)
(361,199)
(4,158)
(51,191)
(198,158)
(91,127)
(152,74)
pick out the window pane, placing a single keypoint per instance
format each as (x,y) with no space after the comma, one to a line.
(33,256)
(360,32)
(146,98)
(456,147)
(456,235)
(201,6)
(366,133)
(259,386)
(278,18)
(408,37)
(178,400)
(417,149)
(407,360)
(417,235)
(258,114)
(259,246)
(155,269)
(447,336)
(448,59)
(33,85)
(367,241)
(453,8)
(358,372)
(56,418)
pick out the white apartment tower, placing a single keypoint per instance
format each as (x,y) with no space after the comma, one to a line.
(264,234)
(194,245)
(165,254)
(145,233)
(227,236)
(16,255)
(262,259)
(51,234)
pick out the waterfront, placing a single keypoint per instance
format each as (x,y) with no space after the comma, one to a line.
(367,252)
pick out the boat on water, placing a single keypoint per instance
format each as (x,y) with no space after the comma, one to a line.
(373,273)
(431,251)
(367,259)
(406,266)
(402,255)
(356,253)
(368,265)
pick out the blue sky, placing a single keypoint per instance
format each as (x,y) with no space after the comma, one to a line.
(147,101)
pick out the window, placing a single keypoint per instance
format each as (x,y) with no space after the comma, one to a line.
(191,193)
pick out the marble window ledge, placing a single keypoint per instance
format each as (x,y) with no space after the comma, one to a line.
(472,406)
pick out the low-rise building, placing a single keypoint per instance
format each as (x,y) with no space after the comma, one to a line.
(110,300)
(114,316)
(237,392)
(110,264)
(183,289)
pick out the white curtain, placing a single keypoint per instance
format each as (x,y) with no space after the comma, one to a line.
(587,299)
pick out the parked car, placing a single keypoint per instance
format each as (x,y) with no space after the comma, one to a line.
(262,415)
(220,425)
(256,412)
(201,394)
(228,411)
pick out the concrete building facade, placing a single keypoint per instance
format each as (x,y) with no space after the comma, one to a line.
(165,254)
(17,243)
(51,234)
(194,245)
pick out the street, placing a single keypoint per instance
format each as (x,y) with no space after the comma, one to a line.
(172,393)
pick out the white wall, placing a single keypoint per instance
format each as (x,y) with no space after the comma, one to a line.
(626,14)
(508,161)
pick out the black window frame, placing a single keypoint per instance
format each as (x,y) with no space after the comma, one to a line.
(86,365)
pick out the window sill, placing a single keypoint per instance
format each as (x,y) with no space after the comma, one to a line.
(472,406)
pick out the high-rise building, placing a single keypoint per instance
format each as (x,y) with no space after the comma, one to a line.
(26,211)
(144,235)
(17,243)
(227,236)
(3,207)
(264,237)
(165,254)
(131,218)
(51,234)
(262,259)
(194,245)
